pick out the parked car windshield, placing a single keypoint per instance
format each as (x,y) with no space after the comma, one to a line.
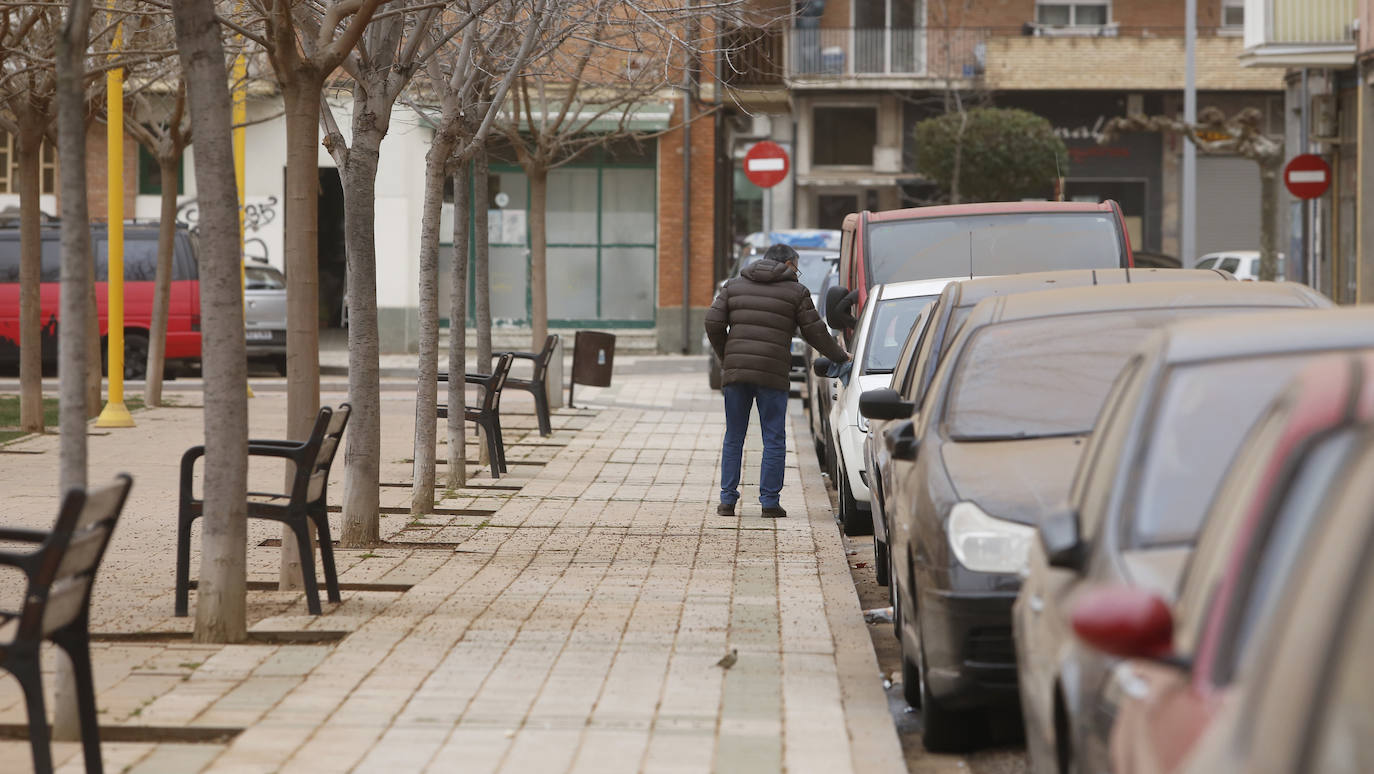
(263,278)
(984,245)
(1202,418)
(892,321)
(1046,376)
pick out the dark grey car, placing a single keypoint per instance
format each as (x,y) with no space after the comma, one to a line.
(1179,415)
(922,351)
(999,436)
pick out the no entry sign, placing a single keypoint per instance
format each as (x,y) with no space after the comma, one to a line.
(1307,176)
(766,164)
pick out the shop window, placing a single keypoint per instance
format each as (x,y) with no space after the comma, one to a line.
(9,166)
(1056,13)
(150,174)
(1233,13)
(843,136)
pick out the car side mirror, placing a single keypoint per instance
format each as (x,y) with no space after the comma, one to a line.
(821,367)
(1062,542)
(1126,622)
(839,303)
(900,440)
(884,404)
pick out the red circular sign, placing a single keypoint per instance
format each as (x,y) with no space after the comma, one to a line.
(1307,176)
(766,164)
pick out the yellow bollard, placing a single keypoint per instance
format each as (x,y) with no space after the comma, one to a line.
(239,74)
(115,413)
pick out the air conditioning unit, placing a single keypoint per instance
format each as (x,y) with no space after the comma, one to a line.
(1322,122)
(761,126)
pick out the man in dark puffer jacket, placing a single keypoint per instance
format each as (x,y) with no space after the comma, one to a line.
(750,326)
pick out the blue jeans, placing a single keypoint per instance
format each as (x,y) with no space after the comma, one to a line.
(772,421)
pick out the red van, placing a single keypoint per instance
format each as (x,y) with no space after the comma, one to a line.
(977,240)
(140,266)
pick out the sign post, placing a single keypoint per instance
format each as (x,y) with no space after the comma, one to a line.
(1307,176)
(766,164)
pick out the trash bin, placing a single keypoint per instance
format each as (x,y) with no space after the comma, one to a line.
(593,357)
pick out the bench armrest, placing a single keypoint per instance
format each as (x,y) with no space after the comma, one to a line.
(21,535)
(522,355)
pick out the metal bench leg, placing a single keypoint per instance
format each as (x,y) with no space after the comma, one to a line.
(31,680)
(541,409)
(312,589)
(183,566)
(76,642)
(331,577)
(493,432)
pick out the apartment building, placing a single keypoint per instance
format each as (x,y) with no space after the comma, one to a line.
(1324,49)
(844,83)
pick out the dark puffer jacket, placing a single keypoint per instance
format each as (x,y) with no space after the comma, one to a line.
(750,325)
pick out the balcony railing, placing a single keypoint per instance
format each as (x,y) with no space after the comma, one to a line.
(818,55)
(1300,22)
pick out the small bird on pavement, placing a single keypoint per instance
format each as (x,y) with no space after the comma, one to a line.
(729,659)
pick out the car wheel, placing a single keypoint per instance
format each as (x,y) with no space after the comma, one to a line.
(880,569)
(713,375)
(135,356)
(855,521)
(943,730)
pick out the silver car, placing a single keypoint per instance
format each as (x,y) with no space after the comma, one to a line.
(264,313)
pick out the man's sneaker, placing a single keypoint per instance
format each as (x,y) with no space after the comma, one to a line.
(776,512)
(725,509)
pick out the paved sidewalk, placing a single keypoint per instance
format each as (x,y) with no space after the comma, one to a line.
(569,620)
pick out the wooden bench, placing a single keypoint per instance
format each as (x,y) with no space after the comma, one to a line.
(61,571)
(299,509)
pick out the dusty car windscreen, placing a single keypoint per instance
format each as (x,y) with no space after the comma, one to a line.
(263,278)
(1047,376)
(983,245)
(1202,418)
(892,321)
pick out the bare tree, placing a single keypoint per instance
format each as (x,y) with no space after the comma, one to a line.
(166,138)
(394,47)
(305,43)
(27,89)
(470,83)
(220,595)
(1241,134)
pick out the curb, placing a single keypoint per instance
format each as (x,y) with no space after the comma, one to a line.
(873,743)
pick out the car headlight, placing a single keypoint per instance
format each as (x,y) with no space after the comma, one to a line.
(863,423)
(985,544)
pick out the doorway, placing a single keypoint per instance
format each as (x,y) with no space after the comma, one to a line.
(331,250)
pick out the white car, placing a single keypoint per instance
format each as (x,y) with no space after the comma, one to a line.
(1244,264)
(882,329)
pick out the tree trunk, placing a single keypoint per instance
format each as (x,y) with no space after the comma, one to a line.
(539,251)
(301,94)
(482,257)
(457,327)
(30,140)
(76,288)
(362,460)
(162,282)
(220,596)
(427,387)
(1269,219)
